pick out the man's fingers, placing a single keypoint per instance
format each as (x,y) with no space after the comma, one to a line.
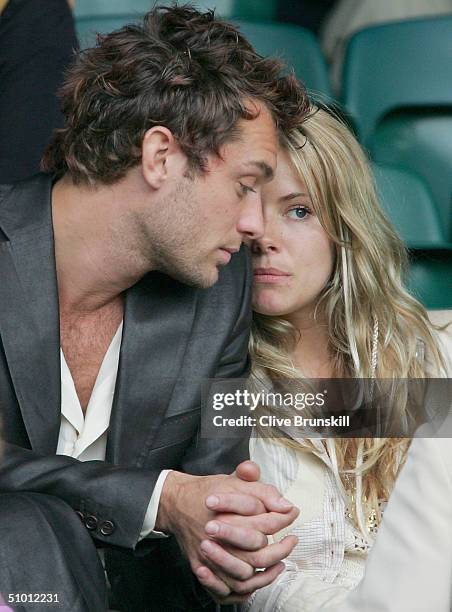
(272,522)
(268,495)
(215,586)
(235,503)
(271,554)
(268,523)
(241,565)
(239,537)
(258,581)
(225,561)
(248,470)
(211,582)
(249,533)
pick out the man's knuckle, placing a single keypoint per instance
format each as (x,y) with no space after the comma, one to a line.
(255,560)
(224,530)
(247,536)
(259,541)
(246,573)
(271,490)
(259,559)
(287,519)
(241,588)
(222,590)
(268,525)
(252,559)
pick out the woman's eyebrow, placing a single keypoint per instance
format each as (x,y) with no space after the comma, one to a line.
(292,196)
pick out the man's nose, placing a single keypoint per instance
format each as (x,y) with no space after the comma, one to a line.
(251,221)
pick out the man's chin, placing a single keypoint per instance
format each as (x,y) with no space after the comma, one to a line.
(200,278)
(208,279)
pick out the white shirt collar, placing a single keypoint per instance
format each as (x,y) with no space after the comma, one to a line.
(95,423)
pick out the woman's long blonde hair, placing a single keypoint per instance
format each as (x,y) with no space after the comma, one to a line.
(366,286)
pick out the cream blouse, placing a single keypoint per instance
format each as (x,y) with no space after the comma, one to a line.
(329,559)
(330,549)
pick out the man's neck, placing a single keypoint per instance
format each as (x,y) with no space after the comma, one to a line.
(94,264)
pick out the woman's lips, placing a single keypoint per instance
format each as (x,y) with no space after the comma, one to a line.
(270,275)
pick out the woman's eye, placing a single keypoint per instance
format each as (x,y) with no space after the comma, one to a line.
(299,212)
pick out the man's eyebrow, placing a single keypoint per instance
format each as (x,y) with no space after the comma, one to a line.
(266,170)
(292,196)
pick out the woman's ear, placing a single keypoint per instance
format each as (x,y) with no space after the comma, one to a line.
(158,148)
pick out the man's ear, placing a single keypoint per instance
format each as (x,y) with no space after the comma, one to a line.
(160,155)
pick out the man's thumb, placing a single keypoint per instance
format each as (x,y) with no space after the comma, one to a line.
(248,470)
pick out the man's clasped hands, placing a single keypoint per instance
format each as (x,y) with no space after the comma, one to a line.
(222,523)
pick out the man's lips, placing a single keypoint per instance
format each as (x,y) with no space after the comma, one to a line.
(228,253)
(270,275)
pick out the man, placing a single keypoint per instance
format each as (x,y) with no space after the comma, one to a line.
(124,285)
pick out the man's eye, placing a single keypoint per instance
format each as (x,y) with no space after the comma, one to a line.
(299,212)
(246,188)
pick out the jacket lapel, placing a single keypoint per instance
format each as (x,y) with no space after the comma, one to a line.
(158,319)
(29,320)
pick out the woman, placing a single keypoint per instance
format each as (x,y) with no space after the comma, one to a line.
(329,302)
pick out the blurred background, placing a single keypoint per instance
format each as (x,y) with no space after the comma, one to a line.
(385,65)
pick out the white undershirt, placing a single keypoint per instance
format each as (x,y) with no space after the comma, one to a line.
(84,437)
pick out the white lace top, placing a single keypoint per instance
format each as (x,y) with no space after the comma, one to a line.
(329,559)
(330,548)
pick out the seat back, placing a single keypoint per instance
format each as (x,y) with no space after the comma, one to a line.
(297,46)
(422,142)
(251,10)
(88,27)
(408,202)
(430,278)
(397,65)
(101,8)
(93,16)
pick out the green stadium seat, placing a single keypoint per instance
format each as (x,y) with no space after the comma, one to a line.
(253,10)
(88,27)
(407,200)
(397,65)
(93,16)
(298,47)
(421,141)
(430,278)
(105,8)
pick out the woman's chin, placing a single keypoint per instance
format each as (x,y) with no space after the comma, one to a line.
(270,302)
(270,310)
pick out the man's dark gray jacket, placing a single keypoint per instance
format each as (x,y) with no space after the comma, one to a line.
(174,336)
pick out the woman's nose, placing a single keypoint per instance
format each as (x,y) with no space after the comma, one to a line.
(263,245)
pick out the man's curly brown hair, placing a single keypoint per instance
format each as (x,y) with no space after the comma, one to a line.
(180,68)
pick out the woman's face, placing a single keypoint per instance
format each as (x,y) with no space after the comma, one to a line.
(294,259)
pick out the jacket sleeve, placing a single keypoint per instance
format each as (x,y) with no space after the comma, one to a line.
(110,500)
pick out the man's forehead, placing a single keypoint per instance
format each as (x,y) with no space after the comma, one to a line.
(254,147)
(261,123)
(257,143)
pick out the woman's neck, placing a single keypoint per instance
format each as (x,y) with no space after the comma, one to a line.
(311,353)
